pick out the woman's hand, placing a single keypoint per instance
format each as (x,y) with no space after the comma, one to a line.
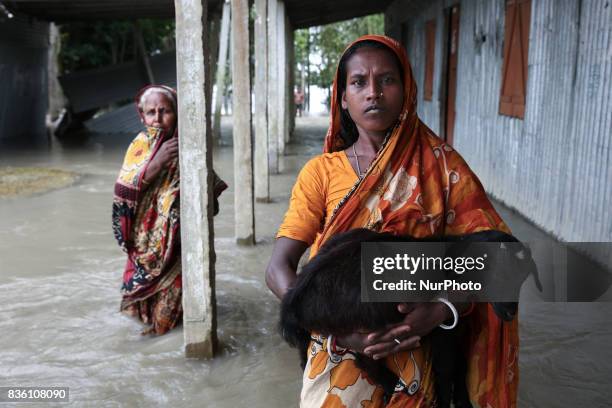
(167,152)
(364,343)
(420,320)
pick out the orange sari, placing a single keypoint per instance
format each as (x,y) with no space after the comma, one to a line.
(417,185)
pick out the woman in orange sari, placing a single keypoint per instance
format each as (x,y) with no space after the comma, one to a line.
(385,170)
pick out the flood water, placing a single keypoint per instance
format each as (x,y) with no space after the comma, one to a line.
(60,273)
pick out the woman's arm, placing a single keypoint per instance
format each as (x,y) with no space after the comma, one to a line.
(167,152)
(282,269)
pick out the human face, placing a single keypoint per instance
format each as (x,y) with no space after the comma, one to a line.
(374,93)
(158,112)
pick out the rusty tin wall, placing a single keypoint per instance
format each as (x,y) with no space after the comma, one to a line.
(555,166)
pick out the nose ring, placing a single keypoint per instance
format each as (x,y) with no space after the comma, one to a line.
(381,94)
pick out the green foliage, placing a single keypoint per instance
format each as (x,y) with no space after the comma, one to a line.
(93,45)
(325,45)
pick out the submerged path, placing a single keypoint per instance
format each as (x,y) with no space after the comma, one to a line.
(60,272)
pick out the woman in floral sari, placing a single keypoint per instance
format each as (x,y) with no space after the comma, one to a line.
(385,170)
(146,214)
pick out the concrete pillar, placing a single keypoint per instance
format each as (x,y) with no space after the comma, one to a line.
(290,80)
(282,78)
(221,64)
(57,102)
(56,111)
(262,176)
(273,86)
(214,23)
(195,146)
(244,216)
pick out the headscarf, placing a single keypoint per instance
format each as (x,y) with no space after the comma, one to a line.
(419,185)
(163,89)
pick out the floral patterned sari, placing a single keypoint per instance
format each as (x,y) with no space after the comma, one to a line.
(146,225)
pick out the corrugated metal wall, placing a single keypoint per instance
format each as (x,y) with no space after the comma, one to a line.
(555,166)
(23,81)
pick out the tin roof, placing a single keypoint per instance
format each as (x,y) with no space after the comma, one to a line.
(301,13)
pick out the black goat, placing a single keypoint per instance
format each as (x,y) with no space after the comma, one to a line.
(326,299)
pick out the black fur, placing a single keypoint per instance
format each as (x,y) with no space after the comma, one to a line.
(326,299)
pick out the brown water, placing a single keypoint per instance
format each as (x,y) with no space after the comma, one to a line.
(60,272)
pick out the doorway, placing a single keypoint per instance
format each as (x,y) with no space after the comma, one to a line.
(448,113)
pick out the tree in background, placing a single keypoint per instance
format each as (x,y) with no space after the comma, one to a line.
(87,45)
(324,45)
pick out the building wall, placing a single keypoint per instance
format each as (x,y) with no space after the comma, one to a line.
(23,81)
(555,166)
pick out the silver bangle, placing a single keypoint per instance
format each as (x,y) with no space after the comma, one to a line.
(453,310)
(329,343)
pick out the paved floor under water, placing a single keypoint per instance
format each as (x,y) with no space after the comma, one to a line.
(60,272)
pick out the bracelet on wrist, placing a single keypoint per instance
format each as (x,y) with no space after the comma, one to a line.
(454,312)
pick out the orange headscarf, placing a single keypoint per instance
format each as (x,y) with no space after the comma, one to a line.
(418,185)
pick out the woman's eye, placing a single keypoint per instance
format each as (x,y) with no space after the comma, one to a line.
(388,80)
(359,82)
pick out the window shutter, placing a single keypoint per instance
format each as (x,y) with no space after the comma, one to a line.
(516,50)
(430,48)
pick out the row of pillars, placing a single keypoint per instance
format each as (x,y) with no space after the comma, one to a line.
(256,156)
(273,118)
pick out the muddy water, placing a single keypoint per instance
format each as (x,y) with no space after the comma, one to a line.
(60,271)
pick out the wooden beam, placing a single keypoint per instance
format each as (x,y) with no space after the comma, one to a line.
(91,10)
(195,146)
(262,175)
(143,54)
(244,216)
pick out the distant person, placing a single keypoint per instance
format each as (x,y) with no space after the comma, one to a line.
(299,102)
(146,214)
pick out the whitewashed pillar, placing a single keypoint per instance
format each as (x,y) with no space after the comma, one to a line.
(221,64)
(195,146)
(244,216)
(273,86)
(291,69)
(290,105)
(261,168)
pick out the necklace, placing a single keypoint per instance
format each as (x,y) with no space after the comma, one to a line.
(360,174)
